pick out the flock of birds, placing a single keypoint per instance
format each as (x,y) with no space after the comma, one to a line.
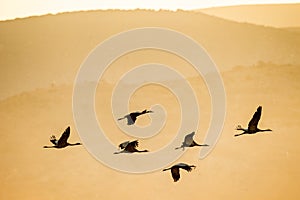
(131,146)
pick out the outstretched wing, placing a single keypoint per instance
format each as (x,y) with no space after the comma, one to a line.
(188,140)
(64,137)
(124,144)
(175,173)
(252,126)
(131,146)
(185,166)
(132,118)
(134,143)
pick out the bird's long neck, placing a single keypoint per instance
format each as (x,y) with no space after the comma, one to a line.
(74,144)
(167,169)
(264,130)
(141,113)
(144,112)
(201,145)
(141,151)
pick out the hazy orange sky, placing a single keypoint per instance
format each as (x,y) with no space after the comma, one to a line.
(41,57)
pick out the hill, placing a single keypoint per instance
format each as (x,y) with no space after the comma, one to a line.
(275,15)
(238,168)
(36,52)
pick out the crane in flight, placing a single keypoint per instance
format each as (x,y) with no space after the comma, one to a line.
(63,140)
(252,125)
(175,170)
(130,147)
(131,117)
(189,142)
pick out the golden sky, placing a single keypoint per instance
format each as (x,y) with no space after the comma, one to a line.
(10,9)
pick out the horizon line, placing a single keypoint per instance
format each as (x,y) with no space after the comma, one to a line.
(145,9)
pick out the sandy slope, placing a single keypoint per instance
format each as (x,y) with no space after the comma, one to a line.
(39,59)
(41,51)
(262,166)
(275,15)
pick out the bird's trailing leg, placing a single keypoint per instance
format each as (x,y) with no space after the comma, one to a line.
(48,146)
(121,118)
(239,134)
(239,127)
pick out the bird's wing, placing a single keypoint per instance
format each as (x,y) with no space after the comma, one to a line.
(184,166)
(124,144)
(64,137)
(134,143)
(131,147)
(131,118)
(252,126)
(175,173)
(189,138)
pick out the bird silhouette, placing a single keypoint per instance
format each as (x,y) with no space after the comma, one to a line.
(62,142)
(131,118)
(189,142)
(130,147)
(175,170)
(252,126)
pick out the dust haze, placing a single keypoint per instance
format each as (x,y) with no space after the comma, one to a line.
(259,64)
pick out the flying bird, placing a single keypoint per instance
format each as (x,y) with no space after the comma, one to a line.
(189,142)
(62,142)
(131,118)
(175,170)
(252,126)
(130,147)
